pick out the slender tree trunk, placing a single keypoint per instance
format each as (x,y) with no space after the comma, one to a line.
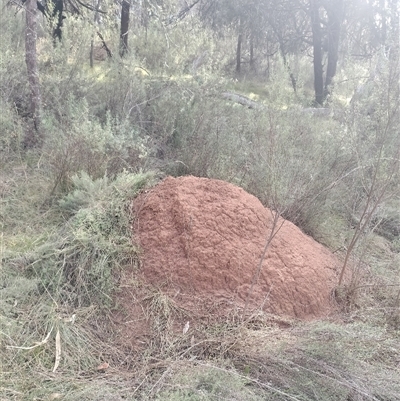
(287,66)
(317,52)
(239,53)
(58,18)
(394,47)
(252,52)
(283,54)
(32,135)
(394,53)
(91,53)
(96,20)
(384,22)
(125,9)
(334,10)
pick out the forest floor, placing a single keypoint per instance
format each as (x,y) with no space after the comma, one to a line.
(184,326)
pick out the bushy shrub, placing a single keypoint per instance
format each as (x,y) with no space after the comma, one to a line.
(13,85)
(288,158)
(11,131)
(79,142)
(80,264)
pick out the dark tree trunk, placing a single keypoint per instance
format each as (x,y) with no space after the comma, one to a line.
(32,135)
(58,17)
(317,52)
(96,20)
(334,11)
(252,52)
(91,61)
(239,53)
(125,9)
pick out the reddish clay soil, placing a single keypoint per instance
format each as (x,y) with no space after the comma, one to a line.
(202,241)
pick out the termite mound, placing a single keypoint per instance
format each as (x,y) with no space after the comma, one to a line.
(202,242)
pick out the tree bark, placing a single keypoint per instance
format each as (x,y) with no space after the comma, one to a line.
(57,17)
(252,52)
(334,11)
(382,7)
(394,52)
(32,135)
(96,20)
(125,9)
(239,53)
(394,47)
(317,52)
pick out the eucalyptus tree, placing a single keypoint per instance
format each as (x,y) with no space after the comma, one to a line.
(139,13)
(32,135)
(289,27)
(369,26)
(246,18)
(125,11)
(326,19)
(354,29)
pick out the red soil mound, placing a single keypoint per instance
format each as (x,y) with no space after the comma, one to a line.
(203,240)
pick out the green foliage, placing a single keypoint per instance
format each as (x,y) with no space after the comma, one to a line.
(80,265)
(171,51)
(76,141)
(13,89)
(11,131)
(288,158)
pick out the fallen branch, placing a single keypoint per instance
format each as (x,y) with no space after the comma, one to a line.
(243,100)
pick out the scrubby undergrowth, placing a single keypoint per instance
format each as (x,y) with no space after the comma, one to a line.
(57,297)
(108,133)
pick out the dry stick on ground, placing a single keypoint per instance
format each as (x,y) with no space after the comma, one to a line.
(274,230)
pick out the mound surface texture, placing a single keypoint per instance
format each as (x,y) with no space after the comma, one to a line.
(203,239)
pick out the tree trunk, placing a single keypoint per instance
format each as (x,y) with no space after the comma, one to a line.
(286,64)
(317,52)
(383,15)
(32,135)
(239,53)
(57,19)
(334,11)
(252,66)
(394,45)
(96,19)
(91,62)
(125,9)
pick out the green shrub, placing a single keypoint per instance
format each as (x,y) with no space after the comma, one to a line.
(287,158)
(80,265)
(77,142)
(11,131)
